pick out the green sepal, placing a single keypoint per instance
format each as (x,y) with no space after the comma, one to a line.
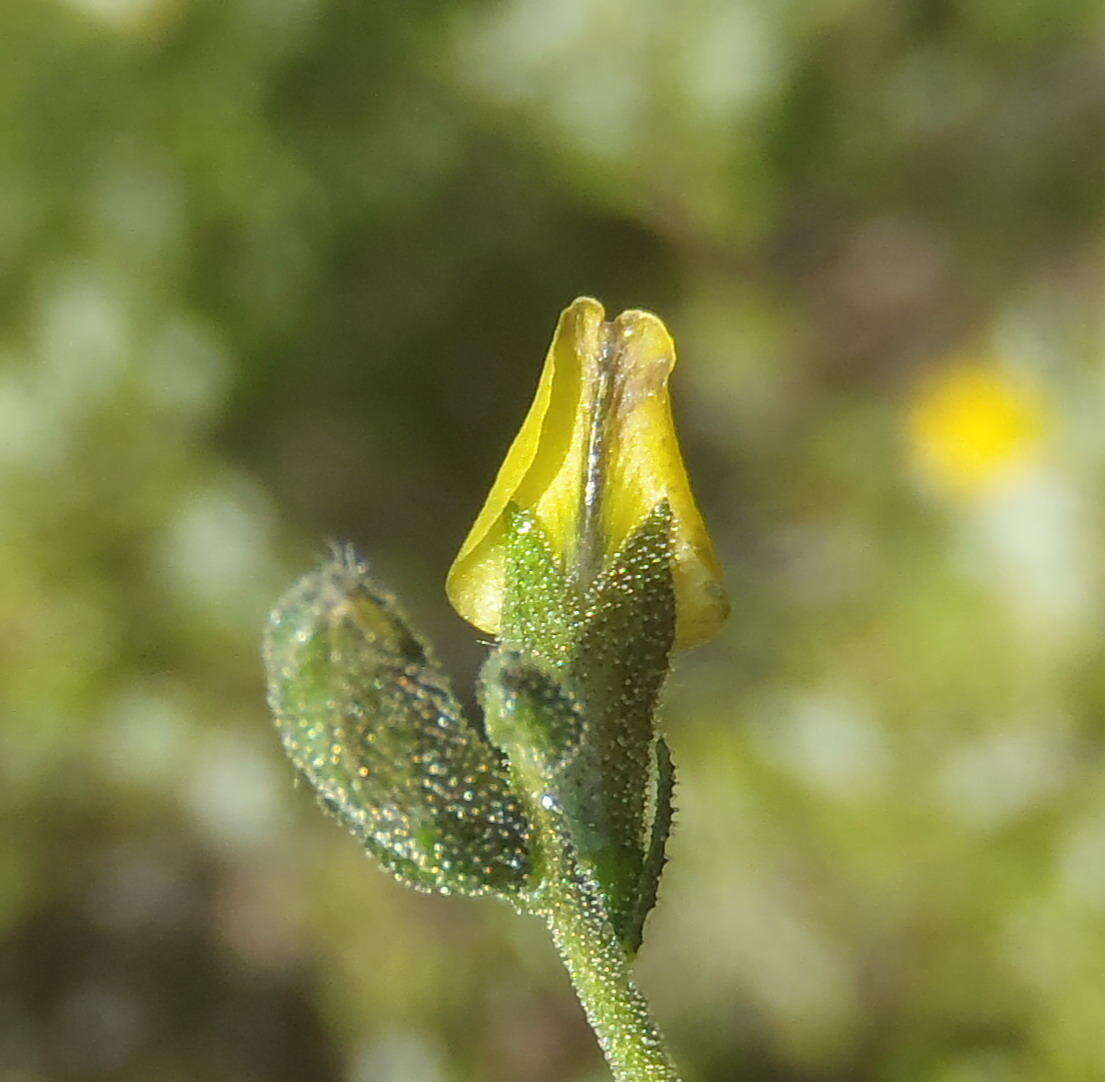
(610,645)
(529,713)
(369,721)
(656,854)
(541,607)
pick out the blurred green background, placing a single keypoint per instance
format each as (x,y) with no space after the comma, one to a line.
(274,272)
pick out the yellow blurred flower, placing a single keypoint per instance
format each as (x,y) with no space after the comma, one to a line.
(596,454)
(972,426)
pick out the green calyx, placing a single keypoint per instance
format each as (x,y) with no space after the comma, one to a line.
(608,643)
(369,721)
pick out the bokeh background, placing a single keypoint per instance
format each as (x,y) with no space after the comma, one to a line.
(277,272)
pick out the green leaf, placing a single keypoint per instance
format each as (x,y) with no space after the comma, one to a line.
(368,719)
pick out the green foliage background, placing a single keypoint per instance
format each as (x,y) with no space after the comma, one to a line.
(279,271)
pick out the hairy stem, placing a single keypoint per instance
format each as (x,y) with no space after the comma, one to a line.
(571,903)
(597,965)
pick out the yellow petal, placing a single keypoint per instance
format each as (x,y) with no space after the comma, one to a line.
(596,453)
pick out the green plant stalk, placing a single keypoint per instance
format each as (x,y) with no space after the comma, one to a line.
(571,904)
(596,962)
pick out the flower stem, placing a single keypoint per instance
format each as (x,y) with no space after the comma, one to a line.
(571,903)
(597,965)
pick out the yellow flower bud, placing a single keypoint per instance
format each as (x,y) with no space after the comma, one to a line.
(596,454)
